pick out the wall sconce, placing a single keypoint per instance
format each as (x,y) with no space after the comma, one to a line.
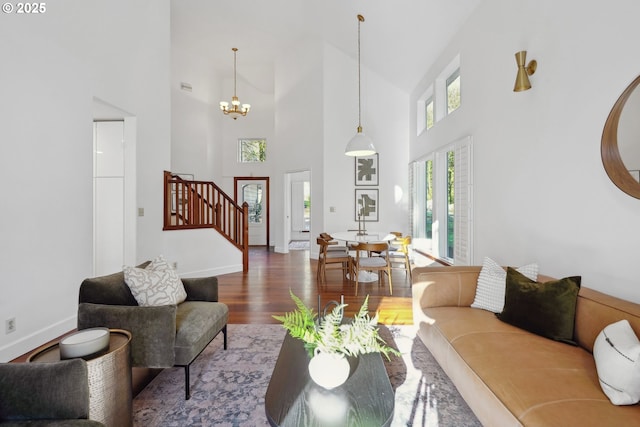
(524,71)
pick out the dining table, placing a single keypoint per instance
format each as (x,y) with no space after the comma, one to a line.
(355,236)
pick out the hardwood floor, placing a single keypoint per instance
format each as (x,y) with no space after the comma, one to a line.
(256,296)
(264,291)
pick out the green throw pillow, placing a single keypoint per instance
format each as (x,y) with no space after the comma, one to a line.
(546,309)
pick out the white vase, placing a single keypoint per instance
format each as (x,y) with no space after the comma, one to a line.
(329,370)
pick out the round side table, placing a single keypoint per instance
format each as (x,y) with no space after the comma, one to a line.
(109,379)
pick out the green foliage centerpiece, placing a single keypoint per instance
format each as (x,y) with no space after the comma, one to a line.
(331,334)
(329,340)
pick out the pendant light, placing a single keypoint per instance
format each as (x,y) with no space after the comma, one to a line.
(360,144)
(235,110)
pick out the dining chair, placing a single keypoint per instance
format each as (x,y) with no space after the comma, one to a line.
(371,262)
(394,244)
(334,245)
(333,257)
(399,255)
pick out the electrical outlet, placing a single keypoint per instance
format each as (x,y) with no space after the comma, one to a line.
(10,325)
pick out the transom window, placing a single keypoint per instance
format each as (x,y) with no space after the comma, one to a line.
(441,98)
(428,109)
(252,150)
(453,91)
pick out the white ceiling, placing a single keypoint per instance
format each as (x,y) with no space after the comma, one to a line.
(400,39)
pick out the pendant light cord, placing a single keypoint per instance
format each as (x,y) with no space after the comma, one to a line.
(360,19)
(235,52)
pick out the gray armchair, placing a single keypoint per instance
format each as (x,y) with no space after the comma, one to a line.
(163,336)
(45,394)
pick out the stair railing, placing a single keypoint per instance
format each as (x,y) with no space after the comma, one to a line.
(190,204)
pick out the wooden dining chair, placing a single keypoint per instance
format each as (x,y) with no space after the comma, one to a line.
(334,245)
(399,255)
(327,257)
(367,260)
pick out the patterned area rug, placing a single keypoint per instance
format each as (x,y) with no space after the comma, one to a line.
(228,387)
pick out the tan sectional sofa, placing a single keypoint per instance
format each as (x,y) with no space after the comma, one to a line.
(510,377)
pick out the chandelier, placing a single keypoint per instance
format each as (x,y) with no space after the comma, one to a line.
(235,109)
(360,144)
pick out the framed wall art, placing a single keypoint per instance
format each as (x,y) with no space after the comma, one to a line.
(366,170)
(366,205)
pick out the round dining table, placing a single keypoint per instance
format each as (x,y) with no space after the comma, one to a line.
(368,237)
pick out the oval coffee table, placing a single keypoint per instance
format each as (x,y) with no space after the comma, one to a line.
(293,399)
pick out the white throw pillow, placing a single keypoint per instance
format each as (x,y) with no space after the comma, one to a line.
(157,284)
(492,283)
(158,264)
(616,353)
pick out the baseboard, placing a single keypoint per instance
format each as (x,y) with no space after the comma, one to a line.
(212,271)
(32,341)
(281,249)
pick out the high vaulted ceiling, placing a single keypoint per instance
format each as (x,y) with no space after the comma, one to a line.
(400,39)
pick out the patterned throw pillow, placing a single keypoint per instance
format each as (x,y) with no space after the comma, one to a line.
(617,356)
(492,282)
(158,284)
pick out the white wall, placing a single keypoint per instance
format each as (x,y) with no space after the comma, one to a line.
(541,193)
(298,130)
(197,148)
(56,64)
(195,117)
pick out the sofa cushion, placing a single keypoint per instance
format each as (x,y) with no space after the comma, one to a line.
(157,284)
(491,284)
(617,355)
(197,323)
(39,391)
(547,309)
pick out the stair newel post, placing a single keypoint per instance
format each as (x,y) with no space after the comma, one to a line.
(167,199)
(245,237)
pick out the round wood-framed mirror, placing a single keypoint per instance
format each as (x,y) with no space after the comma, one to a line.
(610,151)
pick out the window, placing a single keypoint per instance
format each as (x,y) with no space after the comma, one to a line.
(425,108)
(453,91)
(252,150)
(428,108)
(441,98)
(451,202)
(441,203)
(252,194)
(429,199)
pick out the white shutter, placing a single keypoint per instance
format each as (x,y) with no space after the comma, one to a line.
(463,223)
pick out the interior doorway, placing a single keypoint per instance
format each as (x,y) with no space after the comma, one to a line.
(297,208)
(114,188)
(255,191)
(300,206)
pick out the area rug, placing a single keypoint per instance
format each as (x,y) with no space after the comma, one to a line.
(228,387)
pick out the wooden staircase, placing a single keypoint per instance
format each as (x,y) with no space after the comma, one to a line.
(202,204)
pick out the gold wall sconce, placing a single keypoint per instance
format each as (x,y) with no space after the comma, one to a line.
(524,71)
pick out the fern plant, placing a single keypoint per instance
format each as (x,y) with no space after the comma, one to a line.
(332,335)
